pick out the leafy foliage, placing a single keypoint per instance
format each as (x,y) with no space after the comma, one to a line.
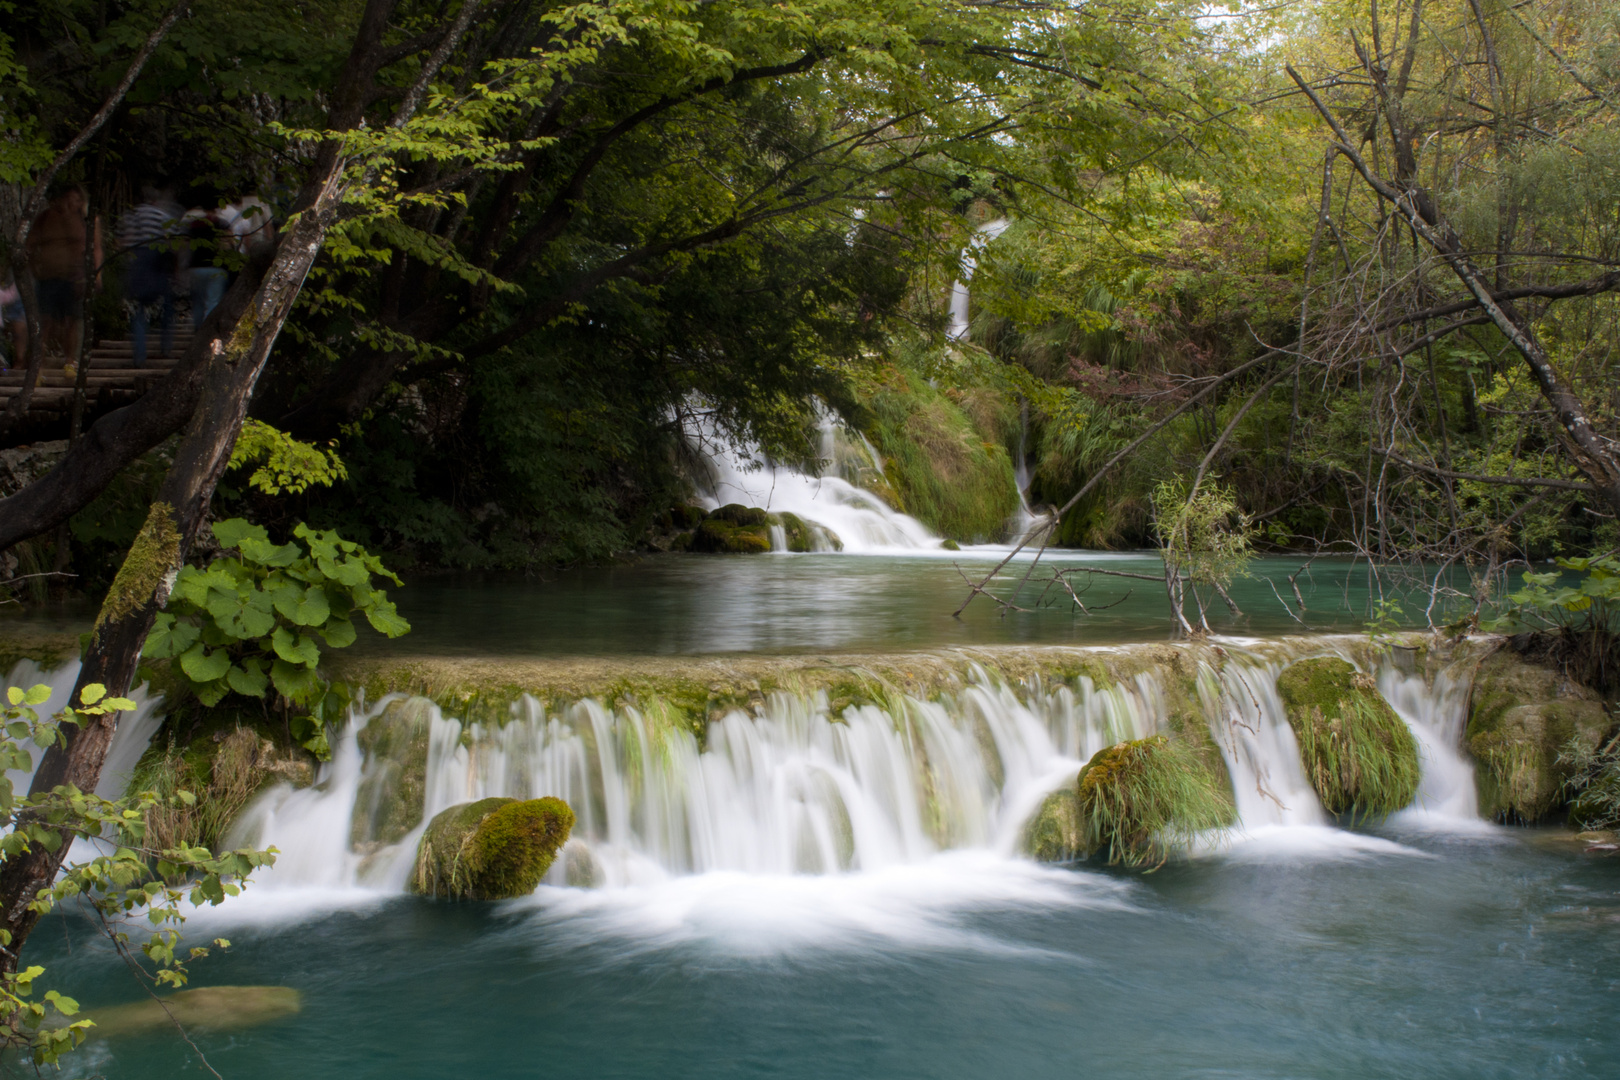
(131,878)
(254,620)
(284,464)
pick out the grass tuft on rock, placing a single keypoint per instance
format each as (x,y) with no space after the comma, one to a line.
(492,849)
(1360,757)
(1142,801)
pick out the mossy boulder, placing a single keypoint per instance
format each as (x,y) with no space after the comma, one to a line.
(733,529)
(390,800)
(795,529)
(1359,754)
(493,849)
(1057,832)
(1144,800)
(1520,715)
(739,515)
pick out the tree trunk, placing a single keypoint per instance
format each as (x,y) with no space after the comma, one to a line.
(142,585)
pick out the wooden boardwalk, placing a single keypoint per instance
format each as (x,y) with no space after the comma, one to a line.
(113,379)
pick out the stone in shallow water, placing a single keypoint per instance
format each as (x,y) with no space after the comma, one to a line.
(493,849)
(208,1008)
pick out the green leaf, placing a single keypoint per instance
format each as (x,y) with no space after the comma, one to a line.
(312,609)
(385,619)
(249,679)
(296,649)
(294,682)
(339,633)
(92,693)
(232,532)
(201,665)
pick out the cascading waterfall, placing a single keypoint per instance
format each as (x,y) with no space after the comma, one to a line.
(832,504)
(985,233)
(134,732)
(791,788)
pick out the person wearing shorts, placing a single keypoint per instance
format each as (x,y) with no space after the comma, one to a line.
(56,250)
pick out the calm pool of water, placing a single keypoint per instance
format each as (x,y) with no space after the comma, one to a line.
(681,604)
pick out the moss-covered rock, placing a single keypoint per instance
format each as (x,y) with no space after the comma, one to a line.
(1520,715)
(794,528)
(389,802)
(1360,756)
(1057,832)
(733,529)
(207,1008)
(739,515)
(493,849)
(1142,801)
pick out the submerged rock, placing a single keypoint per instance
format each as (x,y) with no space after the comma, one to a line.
(493,849)
(1520,716)
(1358,753)
(1141,801)
(209,1008)
(389,802)
(1057,832)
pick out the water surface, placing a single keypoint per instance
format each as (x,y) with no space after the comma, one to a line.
(1485,955)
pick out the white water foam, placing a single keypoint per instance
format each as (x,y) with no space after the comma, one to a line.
(787,799)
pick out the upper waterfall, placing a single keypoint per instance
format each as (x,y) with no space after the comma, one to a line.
(859,520)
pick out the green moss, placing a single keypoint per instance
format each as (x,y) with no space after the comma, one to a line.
(154,555)
(940,467)
(733,529)
(1520,715)
(797,532)
(48,649)
(388,804)
(1143,800)
(1057,832)
(493,849)
(1358,753)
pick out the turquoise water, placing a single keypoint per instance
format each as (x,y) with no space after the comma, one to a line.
(683,604)
(1490,955)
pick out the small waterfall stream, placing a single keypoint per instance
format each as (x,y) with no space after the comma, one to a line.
(792,786)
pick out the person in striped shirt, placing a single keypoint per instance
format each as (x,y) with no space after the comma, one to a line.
(149,233)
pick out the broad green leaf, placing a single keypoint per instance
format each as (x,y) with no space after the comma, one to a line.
(386,620)
(296,648)
(92,693)
(295,682)
(313,609)
(201,665)
(232,532)
(249,678)
(339,633)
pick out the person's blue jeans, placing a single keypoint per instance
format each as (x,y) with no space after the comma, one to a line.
(207,286)
(148,285)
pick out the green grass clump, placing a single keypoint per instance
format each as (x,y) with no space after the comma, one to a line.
(945,472)
(1141,801)
(223,776)
(493,849)
(1358,753)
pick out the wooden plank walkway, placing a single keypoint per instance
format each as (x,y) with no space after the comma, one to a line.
(113,379)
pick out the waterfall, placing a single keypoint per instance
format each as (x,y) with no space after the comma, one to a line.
(130,739)
(793,786)
(985,233)
(840,513)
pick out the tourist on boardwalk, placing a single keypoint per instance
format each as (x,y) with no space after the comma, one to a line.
(206,243)
(56,257)
(148,232)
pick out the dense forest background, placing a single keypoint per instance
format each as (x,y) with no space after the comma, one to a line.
(602,221)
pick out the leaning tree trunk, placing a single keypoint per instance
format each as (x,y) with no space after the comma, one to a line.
(142,584)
